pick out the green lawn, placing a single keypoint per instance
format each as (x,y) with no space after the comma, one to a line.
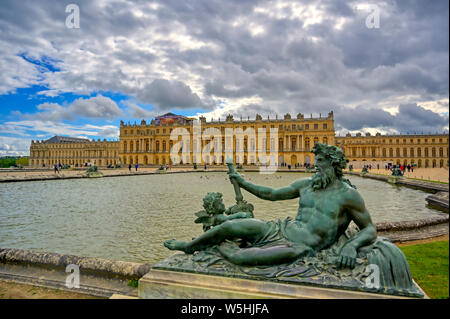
(429,267)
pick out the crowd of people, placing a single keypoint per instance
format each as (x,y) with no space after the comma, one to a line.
(390,167)
(297,165)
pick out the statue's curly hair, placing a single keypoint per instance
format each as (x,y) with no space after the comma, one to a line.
(334,154)
(210,199)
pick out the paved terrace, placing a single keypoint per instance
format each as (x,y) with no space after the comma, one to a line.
(11,175)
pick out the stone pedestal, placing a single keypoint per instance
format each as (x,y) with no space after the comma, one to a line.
(167,284)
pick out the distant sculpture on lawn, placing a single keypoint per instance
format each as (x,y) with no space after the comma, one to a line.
(396,171)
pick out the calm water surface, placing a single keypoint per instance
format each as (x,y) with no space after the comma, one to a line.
(128,218)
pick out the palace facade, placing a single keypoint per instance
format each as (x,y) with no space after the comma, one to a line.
(287,140)
(73,151)
(150,143)
(424,150)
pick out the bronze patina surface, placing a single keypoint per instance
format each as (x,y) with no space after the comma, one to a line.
(317,247)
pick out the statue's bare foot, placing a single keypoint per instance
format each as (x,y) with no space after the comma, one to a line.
(174,244)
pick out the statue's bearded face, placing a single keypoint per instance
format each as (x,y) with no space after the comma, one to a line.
(325,174)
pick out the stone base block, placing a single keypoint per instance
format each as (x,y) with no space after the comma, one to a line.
(166,284)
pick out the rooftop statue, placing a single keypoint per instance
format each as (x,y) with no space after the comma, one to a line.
(319,239)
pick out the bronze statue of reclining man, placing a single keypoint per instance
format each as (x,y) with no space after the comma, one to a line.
(328,203)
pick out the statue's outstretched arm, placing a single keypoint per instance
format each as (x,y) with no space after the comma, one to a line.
(290,192)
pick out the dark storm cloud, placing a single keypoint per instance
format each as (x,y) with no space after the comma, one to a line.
(170,94)
(190,54)
(410,118)
(363,117)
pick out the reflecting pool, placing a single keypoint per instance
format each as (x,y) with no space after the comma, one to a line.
(129,218)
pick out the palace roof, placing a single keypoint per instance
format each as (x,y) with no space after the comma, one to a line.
(66,139)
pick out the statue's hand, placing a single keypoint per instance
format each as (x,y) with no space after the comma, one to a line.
(219,219)
(237,177)
(347,257)
(240,215)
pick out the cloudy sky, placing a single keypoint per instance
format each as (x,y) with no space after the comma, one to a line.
(133,60)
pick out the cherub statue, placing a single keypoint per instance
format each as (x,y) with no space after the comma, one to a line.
(215,212)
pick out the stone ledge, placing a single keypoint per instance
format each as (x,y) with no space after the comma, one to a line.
(439,200)
(95,265)
(413,224)
(403,181)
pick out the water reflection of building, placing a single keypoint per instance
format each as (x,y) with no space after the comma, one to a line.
(424,150)
(73,151)
(150,143)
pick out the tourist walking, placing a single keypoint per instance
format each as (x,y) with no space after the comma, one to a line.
(129,167)
(136,166)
